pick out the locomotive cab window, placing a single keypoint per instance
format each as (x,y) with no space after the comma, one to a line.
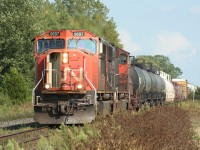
(123,59)
(87,44)
(45,44)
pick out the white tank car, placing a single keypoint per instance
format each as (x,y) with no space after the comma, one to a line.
(169,88)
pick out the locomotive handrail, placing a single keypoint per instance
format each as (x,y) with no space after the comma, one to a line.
(115,85)
(88,80)
(109,82)
(33,91)
(95,90)
(56,74)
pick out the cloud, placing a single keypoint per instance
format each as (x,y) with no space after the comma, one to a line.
(195,9)
(127,41)
(173,44)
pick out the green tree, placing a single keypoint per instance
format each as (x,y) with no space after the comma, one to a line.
(91,15)
(22,20)
(162,62)
(15,33)
(197,94)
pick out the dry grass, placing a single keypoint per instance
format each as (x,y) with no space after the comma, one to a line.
(159,128)
(193,107)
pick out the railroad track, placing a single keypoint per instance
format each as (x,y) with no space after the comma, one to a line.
(26,138)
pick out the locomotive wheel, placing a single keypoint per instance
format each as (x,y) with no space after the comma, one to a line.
(161,102)
(151,103)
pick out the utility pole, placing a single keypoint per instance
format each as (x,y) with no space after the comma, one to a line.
(193,95)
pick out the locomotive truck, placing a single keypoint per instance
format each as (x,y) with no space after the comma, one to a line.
(79,75)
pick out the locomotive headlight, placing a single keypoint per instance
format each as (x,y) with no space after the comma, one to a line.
(65,60)
(65,57)
(79,86)
(47,86)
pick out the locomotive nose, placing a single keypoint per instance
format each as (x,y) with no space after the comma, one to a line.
(64,71)
(72,71)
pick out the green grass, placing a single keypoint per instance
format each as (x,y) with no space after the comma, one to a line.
(193,107)
(13,112)
(69,137)
(8,131)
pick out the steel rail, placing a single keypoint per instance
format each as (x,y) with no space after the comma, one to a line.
(25,137)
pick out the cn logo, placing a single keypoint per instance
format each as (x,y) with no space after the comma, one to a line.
(73,73)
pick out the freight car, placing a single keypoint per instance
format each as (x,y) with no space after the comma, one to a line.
(79,75)
(182,87)
(179,92)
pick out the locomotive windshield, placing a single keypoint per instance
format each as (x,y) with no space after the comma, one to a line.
(45,44)
(123,59)
(87,44)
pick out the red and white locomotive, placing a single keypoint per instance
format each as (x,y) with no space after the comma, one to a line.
(79,75)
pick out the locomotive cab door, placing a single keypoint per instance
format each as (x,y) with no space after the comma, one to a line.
(107,69)
(123,71)
(102,67)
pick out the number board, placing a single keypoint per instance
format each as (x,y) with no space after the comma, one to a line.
(78,33)
(54,33)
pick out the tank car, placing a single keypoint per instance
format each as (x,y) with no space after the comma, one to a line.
(148,86)
(169,87)
(78,75)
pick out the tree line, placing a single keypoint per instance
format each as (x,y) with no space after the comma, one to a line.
(163,63)
(22,20)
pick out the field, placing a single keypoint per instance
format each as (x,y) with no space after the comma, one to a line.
(170,127)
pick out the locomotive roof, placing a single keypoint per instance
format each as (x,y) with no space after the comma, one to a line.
(63,32)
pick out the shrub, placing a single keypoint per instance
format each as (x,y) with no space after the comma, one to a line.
(12,145)
(4,99)
(15,86)
(44,144)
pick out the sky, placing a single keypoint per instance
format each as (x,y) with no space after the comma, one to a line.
(165,27)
